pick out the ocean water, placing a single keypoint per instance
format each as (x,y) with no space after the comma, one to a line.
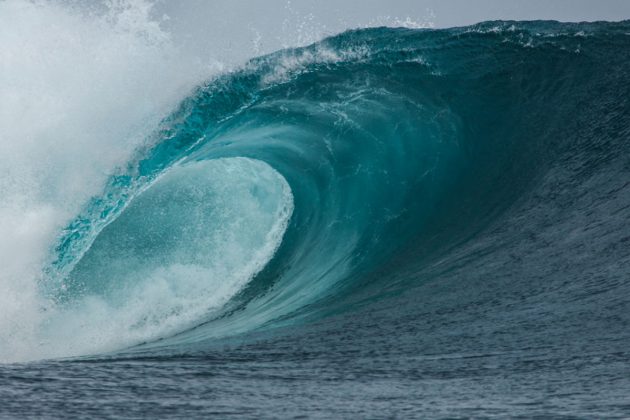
(389,222)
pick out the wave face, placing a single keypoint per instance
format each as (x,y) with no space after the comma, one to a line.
(479,171)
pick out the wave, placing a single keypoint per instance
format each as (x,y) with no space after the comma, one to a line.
(316,180)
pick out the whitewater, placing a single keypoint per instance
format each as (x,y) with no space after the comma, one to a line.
(392,220)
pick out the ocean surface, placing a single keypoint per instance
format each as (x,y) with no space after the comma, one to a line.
(387,223)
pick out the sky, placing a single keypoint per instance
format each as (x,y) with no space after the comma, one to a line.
(232,30)
(444,13)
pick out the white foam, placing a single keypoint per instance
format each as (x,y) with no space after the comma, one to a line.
(79,92)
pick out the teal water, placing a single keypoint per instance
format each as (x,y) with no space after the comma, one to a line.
(392,221)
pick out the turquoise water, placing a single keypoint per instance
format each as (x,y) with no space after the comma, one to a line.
(392,221)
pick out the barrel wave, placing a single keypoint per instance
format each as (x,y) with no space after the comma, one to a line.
(411,183)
